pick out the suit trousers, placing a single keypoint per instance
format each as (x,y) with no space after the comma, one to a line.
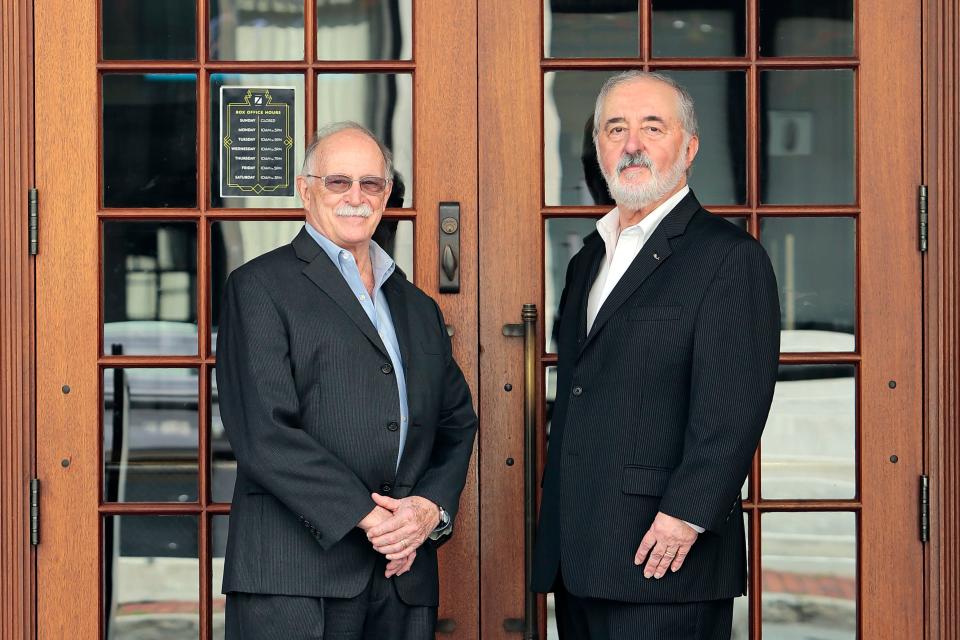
(375,614)
(597,619)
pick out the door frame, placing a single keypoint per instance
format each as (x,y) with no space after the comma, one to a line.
(941,172)
(17,371)
(941,75)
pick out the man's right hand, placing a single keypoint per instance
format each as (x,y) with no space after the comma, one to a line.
(375,517)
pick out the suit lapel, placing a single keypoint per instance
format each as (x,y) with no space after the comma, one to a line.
(596,259)
(580,294)
(322,272)
(655,252)
(400,313)
(397,301)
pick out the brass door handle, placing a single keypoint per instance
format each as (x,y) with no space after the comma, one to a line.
(531,621)
(449,247)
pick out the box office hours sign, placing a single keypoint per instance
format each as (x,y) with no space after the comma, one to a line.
(256,141)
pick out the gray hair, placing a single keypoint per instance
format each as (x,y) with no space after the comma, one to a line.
(685,110)
(328,130)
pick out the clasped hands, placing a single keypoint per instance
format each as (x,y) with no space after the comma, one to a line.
(397,528)
(668,541)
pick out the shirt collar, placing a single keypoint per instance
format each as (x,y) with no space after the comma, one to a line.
(609,225)
(383,264)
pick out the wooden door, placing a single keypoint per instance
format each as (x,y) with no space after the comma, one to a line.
(138,239)
(810,128)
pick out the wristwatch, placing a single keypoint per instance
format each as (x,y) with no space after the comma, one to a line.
(444,527)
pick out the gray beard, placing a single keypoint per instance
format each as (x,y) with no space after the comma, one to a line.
(349,211)
(635,197)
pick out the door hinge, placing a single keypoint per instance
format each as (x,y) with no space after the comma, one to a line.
(922,211)
(33,221)
(924,508)
(34,511)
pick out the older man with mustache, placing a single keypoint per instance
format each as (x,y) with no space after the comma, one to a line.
(351,423)
(668,348)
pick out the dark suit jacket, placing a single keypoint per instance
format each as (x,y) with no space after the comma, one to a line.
(659,408)
(309,402)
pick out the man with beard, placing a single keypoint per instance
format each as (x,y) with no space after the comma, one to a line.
(351,423)
(668,347)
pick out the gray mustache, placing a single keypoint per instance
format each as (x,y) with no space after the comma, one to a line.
(638,159)
(360,211)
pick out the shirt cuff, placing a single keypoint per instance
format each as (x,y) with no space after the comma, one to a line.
(696,528)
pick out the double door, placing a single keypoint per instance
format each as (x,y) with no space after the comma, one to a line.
(810,117)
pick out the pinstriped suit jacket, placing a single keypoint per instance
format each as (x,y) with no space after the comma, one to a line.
(659,408)
(309,402)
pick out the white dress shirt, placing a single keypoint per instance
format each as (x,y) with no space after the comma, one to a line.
(621,249)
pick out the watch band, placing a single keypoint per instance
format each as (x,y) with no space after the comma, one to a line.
(444,527)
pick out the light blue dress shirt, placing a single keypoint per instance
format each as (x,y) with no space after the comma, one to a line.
(376,308)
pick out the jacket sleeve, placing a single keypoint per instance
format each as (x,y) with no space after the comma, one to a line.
(444,478)
(734,369)
(261,412)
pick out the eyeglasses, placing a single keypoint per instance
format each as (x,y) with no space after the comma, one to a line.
(337,183)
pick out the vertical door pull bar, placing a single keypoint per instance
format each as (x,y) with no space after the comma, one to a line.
(531,620)
(529,315)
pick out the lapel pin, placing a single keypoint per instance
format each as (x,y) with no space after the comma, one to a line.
(656,256)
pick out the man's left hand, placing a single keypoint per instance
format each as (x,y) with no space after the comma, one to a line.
(412,521)
(670,540)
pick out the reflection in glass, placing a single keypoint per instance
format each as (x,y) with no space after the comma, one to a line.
(254,80)
(572,175)
(549,396)
(807,137)
(583,29)
(382,102)
(808,450)
(704,29)
(552,633)
(815,263)
(805,28)
(149,288)
(150,435)
(809,569)
(563,238)
(151,577)
(218,544)
(232,243)
(149,30)
(741,605)
(738,221)
(256,30)
(223,463)
(396,238)
(150,140)
(719,173)
(368,30)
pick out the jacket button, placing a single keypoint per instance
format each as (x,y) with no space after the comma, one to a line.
(387,369)
(578,391)
(386,487)
(393,426)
